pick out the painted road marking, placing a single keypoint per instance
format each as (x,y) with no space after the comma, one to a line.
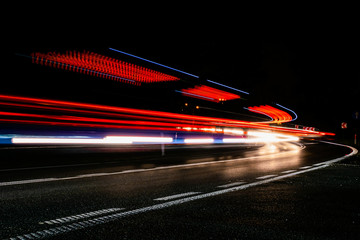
(56,166)
(112,217)
(318,164)
(100,220)
(81,216)
(305,167)
(26,181)
(231,184)
(176,196)
(40,180)
(108,218)
(266,176)
(289,171)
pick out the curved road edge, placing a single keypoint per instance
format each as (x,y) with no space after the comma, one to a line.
(354,151)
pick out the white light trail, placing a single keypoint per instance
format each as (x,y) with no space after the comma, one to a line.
(131,139)
(269,137)
(49,140)
(198,140)
(233,131)
(236,140)
(262,137)
(249,137)
(106,140)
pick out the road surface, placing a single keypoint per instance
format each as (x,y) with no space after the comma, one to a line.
(227,192)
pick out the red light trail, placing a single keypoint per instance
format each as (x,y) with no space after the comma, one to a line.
(101,66)
(83,115)
(209,94)
(277,115)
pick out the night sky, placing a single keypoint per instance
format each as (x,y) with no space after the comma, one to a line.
(309,66)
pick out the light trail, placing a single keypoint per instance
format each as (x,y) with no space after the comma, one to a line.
(253,137)
(209,93)
(256,111)
(223,85)
(159,64)
(106,140)
(100,116)
(196,96)
(122,110)
(129,118)
(198,140)
(277,115)
(101,66)
(296,116)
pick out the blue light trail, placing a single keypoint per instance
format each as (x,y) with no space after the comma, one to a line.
(162,65)
(288,110)
(227,86)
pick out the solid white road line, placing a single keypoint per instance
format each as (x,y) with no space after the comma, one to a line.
(266,176)
(26,181)
(289,171)
(231,184)
(176,196)
(305,167)
(318,164)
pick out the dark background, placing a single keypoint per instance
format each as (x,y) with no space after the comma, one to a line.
(308,62)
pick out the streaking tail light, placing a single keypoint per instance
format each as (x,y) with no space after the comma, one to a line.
(208,93)
(101,66)
(277,115)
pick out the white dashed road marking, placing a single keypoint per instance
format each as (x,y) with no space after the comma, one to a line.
(266,176)
(176,196)
(81,216)
(289,171)
(231,184)
(305,167)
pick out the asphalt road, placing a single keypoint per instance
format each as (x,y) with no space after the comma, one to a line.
(275,191)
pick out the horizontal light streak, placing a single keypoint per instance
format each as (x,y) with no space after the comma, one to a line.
(236,140)
(198,140)
(233,131)
(260,138)
(209,93)
(106,140)
(26,140)
(123,110)
(272,137)
(138,139)
(196,96)
(74,114)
